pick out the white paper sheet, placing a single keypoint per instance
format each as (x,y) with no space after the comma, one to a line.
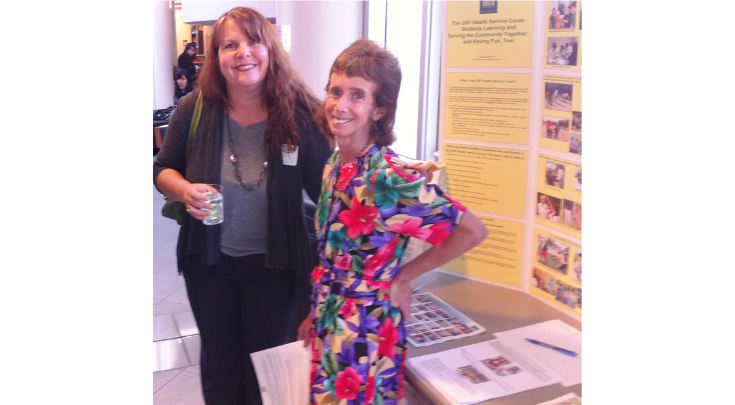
(556,333)
(283,374)
(569,399)
(482,371)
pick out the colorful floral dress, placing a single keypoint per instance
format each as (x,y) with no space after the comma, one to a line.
(367,211)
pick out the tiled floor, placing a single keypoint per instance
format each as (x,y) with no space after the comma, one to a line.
(175,340)
(176,386)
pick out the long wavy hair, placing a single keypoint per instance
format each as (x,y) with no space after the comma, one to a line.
(284,91)
(365,58)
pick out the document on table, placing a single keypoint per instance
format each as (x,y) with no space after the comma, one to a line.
(283,374)
(556,333)
(482,371)
(434,321)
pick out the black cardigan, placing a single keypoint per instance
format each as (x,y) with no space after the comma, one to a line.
(288,236)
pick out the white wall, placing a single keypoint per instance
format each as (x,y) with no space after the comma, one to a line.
(164,50)
(403,39)
(207,12)
(320,31)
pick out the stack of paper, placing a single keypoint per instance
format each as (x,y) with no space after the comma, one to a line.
(504,366)
(555,333)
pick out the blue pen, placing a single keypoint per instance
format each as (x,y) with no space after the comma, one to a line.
(548,346)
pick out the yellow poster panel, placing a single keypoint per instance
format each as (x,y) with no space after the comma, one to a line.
(489,33)
(498,258)
(491,107)
(559,198)
(564,35)
(561,123)
(487,179)
(557,271)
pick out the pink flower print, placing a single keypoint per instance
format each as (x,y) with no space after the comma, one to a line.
(346,173)
(370,389)
(438,233)
(455,202)
(384,255)
(348,307)
(343,262)
(411,227)
(399,171)
(359,219)
(382,285)
(347,384)
(387,338)
(317,273)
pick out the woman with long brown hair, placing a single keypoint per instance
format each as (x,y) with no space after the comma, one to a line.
(256,137)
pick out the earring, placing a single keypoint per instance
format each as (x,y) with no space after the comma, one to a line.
(375,126)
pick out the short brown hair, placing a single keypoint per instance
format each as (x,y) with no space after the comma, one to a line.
(283,88)
(367,59)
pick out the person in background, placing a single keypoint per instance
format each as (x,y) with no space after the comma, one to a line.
(182,87)
(186,61)
(246,277)
(370,206)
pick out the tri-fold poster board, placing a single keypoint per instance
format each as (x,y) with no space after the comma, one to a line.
(510,132)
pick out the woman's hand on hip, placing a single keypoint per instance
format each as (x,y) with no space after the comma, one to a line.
(400,295)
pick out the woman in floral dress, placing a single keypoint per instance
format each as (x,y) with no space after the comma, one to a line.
(371,204)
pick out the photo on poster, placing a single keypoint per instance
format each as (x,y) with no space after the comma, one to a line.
(555,128)
(562,15)
(495,362)
(553,253)
(472,374)
(488,7)
(577,121)
(572,214)
(504,372)
(578,180)
(575,143)
(561,291)
(568,295)
(577,274)
(558,96)
(562,51)
(555,174)
(548,207)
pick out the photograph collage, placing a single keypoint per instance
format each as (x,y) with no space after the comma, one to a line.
(433,321)
(558,269)
(563,33)
(560,179)
(561,211)
(568,132)
(562,292)
(499,366)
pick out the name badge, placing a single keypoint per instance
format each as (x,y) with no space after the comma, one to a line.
(290,159)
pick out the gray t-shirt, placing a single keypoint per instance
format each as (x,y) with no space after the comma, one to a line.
(245,225)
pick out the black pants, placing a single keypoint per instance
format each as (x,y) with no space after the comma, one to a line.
(240,307)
